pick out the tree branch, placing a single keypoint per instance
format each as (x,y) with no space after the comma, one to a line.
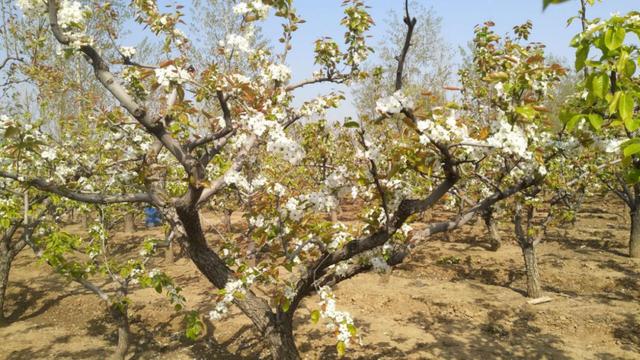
(106,78)
(91,198)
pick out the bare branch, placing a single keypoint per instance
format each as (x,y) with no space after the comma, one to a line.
(411,23)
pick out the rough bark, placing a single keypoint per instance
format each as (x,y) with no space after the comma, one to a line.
(634,236)
(121,317)
(276,328)
(282,343)
(5,266)
(129,223)
(531,267)
(495,240)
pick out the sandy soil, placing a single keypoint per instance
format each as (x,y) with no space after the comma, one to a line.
(453,299)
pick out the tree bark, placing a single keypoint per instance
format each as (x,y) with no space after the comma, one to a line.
(129,223)
(276,329)
(495,240)
(282,343)
(121,317)
(334,216)
(227,220)
(531,267)
(634,236)
(5,267)
(168,253)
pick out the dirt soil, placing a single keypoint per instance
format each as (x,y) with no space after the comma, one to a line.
(453,299)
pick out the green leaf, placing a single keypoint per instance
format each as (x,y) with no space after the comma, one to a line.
(621,65)
(351,124)
(582,53)
(600,85)
(631,149)
(341,347)
(596,121)
(315,316)
(613,103)
(352,329)
(633,176)
(546,3)
(527,112)
(571,124)
(614,38)
(285,305)
(194,326)
(626,104)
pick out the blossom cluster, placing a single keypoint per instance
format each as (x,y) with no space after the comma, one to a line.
(339,321)
(393,104)
(171,75)
(256,7)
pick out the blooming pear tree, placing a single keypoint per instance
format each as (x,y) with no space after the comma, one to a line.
(179,138)
(607,52)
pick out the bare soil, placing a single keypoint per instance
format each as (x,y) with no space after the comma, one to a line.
(453,299)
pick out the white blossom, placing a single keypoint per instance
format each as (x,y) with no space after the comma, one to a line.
(394,104)
(278,72)
(171,74)
(127,51)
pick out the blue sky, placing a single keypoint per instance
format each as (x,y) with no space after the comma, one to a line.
(459,18)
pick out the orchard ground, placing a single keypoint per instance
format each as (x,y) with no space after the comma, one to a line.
(452,300)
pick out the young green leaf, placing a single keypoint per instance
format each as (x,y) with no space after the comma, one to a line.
(341,347)
(596,121)
(600,85)
(315,316)
(631,149)
(614,38)
(626,104)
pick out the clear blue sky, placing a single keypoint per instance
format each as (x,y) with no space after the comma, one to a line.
(459,18)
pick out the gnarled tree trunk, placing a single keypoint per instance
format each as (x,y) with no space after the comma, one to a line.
(276,331)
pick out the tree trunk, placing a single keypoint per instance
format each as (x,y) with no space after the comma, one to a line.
(282,343)
(122,319)
(495,241)
(227,220)
(634,238)
(531,266)
(129,223)
(334,216)
(278,336)
(5,267)
(168,253)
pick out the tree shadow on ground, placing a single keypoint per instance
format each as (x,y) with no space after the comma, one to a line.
(506,333)
(23,300)
(585,246)
(47,352)
(628,332)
